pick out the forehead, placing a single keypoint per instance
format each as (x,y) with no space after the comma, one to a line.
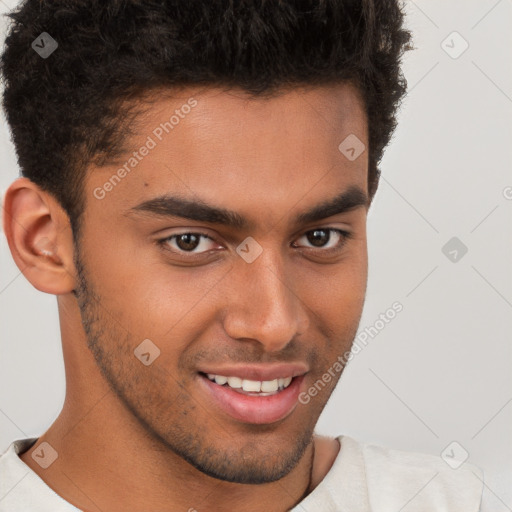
(222,146)
(233,118)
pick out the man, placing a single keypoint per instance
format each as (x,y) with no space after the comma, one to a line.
(196,183)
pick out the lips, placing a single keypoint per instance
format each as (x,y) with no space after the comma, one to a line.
(257,372)
(252,407)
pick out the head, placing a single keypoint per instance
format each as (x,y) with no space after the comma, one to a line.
(198,174)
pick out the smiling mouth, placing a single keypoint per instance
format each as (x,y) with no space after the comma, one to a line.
(250,387)
(253,401)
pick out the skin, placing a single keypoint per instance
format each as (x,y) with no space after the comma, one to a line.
(132,437)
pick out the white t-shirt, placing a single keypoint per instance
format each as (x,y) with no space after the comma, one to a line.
(363,478)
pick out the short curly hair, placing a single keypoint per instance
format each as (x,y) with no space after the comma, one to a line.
(75,107)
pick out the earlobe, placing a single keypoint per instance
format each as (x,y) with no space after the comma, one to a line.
(39,235)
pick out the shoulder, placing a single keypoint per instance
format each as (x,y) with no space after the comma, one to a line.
(21,489)
(413,481)
(13,475)
(10,462)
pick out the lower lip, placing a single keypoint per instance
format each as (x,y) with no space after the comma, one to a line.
(251,408)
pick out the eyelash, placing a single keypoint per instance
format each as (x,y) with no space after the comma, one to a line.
(345,236)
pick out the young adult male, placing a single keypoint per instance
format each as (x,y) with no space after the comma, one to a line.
(196,182)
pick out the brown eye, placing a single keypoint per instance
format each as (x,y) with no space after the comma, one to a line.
(187,242)
(318,237)
(321,238)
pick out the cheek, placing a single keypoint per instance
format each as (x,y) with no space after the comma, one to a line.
(352,280)
(336,292)
(145,291)
(335,299)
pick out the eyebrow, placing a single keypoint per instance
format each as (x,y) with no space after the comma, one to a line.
(175,206)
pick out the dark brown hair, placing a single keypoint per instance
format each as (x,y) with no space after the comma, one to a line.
(72,108)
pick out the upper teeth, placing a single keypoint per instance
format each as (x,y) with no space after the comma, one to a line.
(265,386)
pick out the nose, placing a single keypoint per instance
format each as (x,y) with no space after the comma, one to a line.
(263,305)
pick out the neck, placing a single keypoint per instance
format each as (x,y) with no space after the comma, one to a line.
(103,450)
(126,458)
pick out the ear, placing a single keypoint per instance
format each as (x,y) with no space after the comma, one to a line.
(39,235)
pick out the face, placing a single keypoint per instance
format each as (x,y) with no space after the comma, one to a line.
(233,245)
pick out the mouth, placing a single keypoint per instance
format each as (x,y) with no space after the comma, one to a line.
(253,401)
(252,387)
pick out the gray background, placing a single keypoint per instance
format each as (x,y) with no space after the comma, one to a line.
(440,370)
